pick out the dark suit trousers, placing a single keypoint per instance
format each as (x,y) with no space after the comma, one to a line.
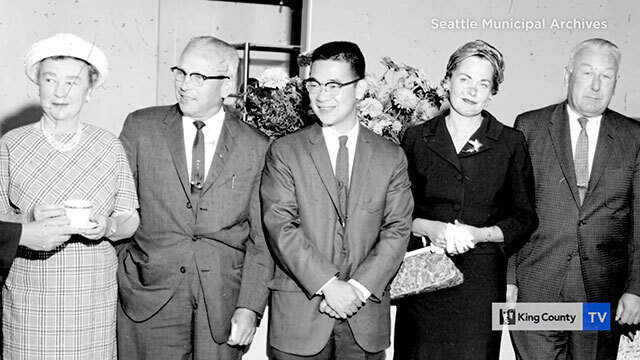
(180,330)
(569,345)
(341,346)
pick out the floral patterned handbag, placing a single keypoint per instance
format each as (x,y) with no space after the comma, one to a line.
(425,270)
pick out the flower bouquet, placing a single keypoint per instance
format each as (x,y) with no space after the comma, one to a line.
(400,98)
(278,105)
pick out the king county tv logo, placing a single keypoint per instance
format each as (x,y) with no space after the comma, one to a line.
(507,317)
(552,316)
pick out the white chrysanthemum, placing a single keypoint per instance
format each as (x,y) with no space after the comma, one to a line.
(396,126)
(274,78)
(412,81)
(370,107)
(386,122)
(405,99)
(379,126)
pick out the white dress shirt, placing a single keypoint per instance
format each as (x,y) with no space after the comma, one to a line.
(211,132)
(593,129)
(333,145)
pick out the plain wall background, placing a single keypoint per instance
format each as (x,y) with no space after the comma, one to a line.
(142,38)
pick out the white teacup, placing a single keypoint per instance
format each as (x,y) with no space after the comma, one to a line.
(78,213)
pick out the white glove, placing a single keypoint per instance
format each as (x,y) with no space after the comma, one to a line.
(458,238)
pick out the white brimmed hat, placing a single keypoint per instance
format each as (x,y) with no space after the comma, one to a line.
(65,45)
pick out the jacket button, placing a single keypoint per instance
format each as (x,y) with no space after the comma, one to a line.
(569,257)
(189,205)
(456,207)
(182,269)
(582,223)
(194,239)
(458,177)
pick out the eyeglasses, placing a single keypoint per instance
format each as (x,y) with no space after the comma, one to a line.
(332,87)
(197,79)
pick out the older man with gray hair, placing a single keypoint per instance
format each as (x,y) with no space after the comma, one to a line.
(586,161)
(193,278)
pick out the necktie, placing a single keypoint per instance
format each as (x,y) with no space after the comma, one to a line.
(582,159)
(342,173)
(197,158)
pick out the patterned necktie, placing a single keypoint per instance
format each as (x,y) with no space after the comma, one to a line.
(342,173)
(582,159)
(197,158)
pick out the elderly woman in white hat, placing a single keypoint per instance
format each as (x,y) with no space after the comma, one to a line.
(61,303)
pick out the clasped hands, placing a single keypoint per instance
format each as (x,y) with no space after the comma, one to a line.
(341,300)
(456,238)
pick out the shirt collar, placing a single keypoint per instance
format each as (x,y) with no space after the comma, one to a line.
(329,131)
(219,116)
(573,117)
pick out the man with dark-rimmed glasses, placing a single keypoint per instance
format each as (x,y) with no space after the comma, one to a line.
(193,279)
(337,206)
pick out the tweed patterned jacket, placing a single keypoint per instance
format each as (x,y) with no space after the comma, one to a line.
(606,227)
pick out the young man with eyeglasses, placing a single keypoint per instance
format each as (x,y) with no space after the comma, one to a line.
(193,280)
(336,204)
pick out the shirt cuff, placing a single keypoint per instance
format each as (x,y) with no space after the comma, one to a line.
(365,292)
(319,292)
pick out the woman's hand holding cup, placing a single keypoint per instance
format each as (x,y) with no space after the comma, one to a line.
(98,227)
(49,229)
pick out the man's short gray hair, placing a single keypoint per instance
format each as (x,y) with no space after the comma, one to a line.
(595,43)
(225,51)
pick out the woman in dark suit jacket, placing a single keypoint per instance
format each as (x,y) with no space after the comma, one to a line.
(470,175)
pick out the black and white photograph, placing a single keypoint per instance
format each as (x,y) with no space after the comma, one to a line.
(320,179)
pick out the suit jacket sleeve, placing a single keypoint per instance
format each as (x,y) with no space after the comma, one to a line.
(511,266)
(9,231)
(294,251)
(633,279)
(383,261)
(258,264)
(9,241)
(518,227)
(128,140)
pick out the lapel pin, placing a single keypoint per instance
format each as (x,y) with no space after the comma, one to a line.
(476,146)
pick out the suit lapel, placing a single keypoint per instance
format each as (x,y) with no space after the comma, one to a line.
(320,157)
(361,166)
(439,141)
(225,145)
(174,135)
(484,138)
(601,156)
(561,139)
